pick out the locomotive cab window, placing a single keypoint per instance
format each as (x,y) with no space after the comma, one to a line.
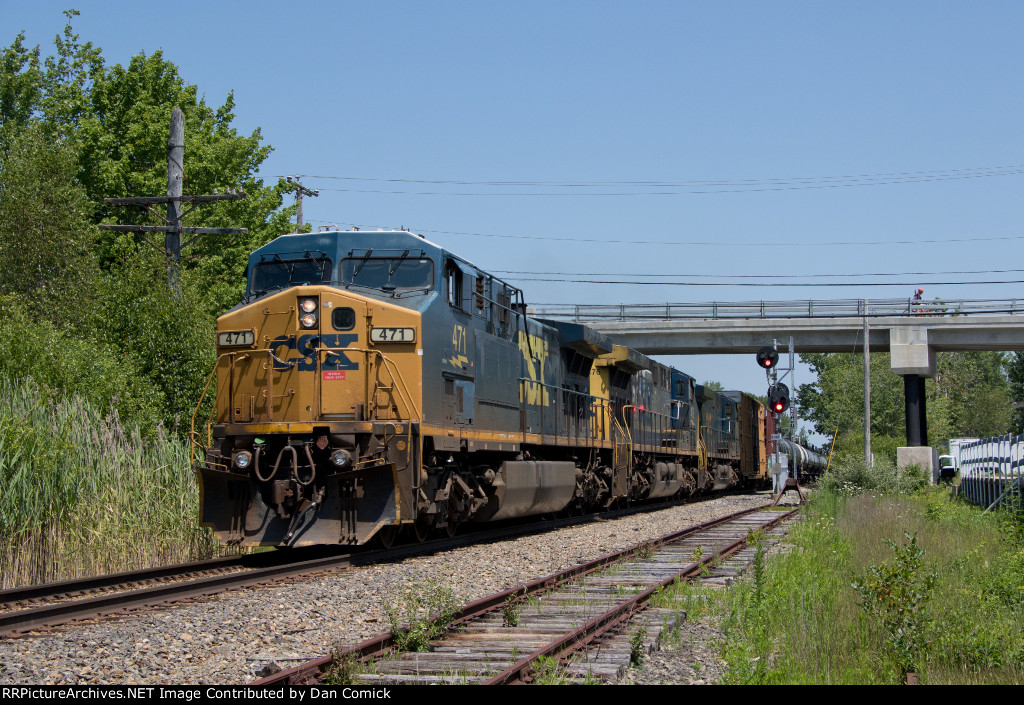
(400,273)
(283,273)
(453,284)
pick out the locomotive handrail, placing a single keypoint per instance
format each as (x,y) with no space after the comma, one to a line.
(629,443)
(193,443)
(659,432)
(595,403)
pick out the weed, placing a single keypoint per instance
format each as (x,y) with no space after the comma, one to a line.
(510,611)
(644,551)
(638,645)
(853,476)
(697,553)
(548,671)
(342,671)
(423,614)
(759,575)
(896,593)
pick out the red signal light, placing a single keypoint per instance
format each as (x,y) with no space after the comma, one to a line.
(767,357)
(778,397)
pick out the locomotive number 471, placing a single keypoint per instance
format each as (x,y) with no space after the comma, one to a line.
(393,335)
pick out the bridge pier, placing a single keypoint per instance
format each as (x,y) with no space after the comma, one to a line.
(917,421)
(914,359)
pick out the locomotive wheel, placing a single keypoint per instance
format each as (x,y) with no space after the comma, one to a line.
(450,528)
(387,535)
(420,529)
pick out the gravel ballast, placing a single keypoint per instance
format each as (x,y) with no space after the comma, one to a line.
(231,638)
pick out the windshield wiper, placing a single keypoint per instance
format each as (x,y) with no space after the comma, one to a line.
(361,263)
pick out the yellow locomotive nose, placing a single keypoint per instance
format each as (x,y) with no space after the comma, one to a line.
(306,376)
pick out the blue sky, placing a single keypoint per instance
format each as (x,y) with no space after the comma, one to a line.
(742,116)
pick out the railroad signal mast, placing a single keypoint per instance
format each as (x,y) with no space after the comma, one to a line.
(778,395)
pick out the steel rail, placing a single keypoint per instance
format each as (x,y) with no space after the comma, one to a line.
(384,643)
(68,588)
(18,621)
(561,648)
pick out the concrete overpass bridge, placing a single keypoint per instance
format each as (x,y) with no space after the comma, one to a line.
(911,331)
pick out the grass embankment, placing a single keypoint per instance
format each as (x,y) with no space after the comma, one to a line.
(82,495)
(878,585)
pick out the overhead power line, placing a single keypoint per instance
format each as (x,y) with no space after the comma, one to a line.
(755,276)
(760,242)
(608,282)
(671,188)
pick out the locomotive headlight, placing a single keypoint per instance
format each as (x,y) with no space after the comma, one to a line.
(341,458)
(308,317)
(243,459)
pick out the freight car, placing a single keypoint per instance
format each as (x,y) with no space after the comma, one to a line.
(374,381)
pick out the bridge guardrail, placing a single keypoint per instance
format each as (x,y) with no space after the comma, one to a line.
(804,308)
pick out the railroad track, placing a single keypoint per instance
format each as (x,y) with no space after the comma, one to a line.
(580,618)
(38,607)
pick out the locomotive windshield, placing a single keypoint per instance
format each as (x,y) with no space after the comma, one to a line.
(282,273)
(388,273)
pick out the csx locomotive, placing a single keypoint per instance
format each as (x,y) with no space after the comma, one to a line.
(372,381)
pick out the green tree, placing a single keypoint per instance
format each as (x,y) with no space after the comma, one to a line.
(21,78)
(970,396)
(1015,374)
(974,391)
(116,118)
(46,235)
(834,402)
(168,337)
(35,349)
(74,131)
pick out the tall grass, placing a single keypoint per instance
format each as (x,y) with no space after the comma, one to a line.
(83,495)
(809,623)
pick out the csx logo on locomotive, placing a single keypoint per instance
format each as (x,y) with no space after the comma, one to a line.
(306,347)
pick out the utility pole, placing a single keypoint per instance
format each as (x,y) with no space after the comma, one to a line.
(173,229)
(867,387)
(300,191)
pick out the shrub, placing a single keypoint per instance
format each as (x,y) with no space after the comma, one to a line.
(853,475)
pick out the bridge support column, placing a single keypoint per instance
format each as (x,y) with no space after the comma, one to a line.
(914,360)
(917,421)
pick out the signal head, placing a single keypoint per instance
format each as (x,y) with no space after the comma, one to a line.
(767,357)
(778,398)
